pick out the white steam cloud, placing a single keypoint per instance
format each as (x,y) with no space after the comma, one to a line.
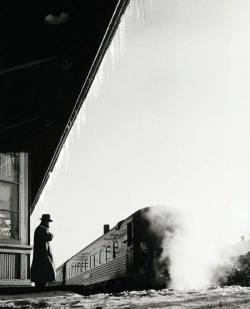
(195,244)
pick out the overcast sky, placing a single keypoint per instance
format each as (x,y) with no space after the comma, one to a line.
(170,126)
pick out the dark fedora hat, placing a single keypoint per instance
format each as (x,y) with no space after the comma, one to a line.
(46,217)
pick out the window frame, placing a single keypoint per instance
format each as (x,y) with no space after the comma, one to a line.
(22,165)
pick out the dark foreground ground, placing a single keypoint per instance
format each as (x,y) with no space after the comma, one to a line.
(227,297)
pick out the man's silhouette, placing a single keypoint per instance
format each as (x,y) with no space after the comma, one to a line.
(42,269)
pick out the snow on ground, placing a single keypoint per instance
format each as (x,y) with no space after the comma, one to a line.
(228,297)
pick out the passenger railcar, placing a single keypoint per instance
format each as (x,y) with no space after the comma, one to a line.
(127,256)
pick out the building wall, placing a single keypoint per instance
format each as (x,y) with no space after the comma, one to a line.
(14,220)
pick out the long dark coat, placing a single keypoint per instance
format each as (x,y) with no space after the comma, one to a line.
(42,269)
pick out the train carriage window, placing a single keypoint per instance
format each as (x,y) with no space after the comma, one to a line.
(78,268)
(101,257)
(108,254)
(91,261)
(115,249)
(86,265)
(95,259)
(129,234)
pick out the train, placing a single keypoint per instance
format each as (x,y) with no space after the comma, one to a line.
(128,256)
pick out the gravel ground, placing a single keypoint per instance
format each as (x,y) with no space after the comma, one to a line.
(228,297)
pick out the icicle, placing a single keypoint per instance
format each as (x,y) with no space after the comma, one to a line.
(137,11)
(83,114)
(78,126)
(122,35)
(101,72)
(112,53)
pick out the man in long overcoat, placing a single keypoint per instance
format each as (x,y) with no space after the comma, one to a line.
(42,269)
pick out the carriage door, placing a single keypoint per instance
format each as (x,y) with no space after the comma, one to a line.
(130,244)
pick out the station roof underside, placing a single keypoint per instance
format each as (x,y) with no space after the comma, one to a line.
(43,70)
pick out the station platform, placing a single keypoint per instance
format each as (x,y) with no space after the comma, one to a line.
(216,297)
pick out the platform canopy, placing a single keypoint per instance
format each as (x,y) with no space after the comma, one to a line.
(50,51)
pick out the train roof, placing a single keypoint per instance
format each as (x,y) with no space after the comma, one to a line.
(119,224)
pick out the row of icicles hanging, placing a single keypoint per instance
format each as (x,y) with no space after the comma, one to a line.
(137,11)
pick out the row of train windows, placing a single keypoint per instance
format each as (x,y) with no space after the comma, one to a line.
(95,260)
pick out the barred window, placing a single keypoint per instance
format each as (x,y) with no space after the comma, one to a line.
(9,196)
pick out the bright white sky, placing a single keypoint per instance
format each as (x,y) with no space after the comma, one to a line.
(170,126)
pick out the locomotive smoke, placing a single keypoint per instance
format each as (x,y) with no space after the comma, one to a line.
(195,243)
